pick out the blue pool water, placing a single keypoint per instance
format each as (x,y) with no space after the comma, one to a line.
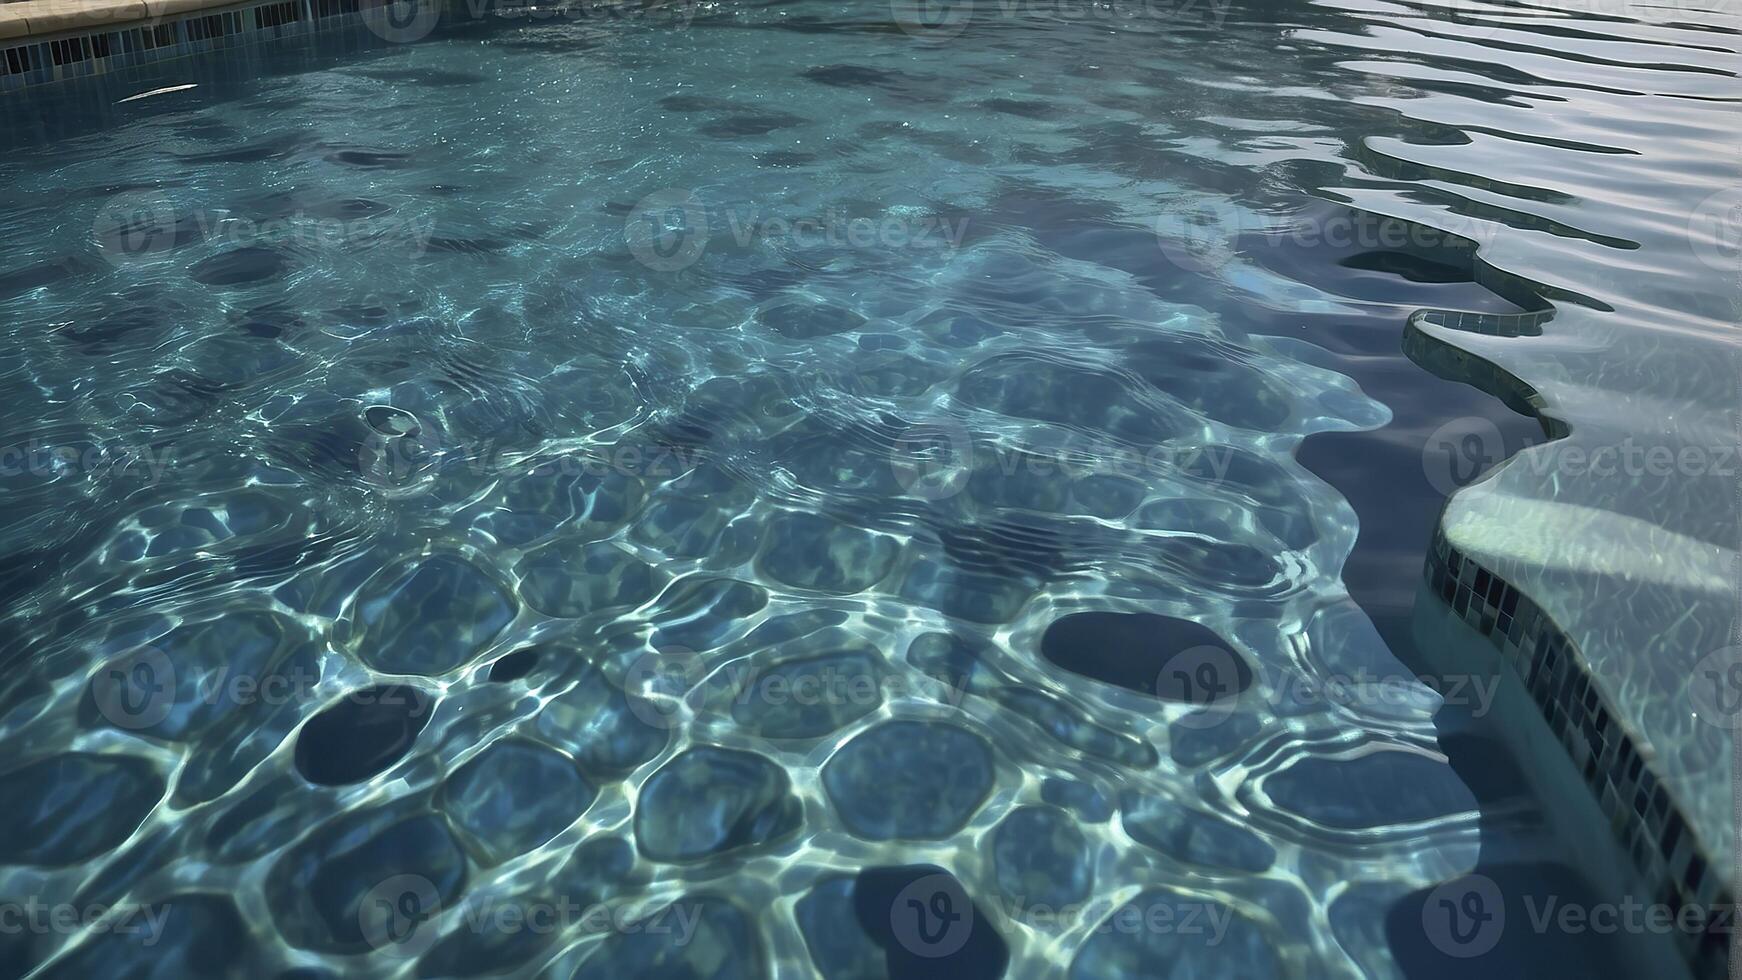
(746,491)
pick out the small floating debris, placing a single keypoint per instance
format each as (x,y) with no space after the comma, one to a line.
(160,91)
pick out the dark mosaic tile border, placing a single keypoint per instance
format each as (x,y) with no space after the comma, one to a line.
(1645,820)
(78,55)
(1490,324)
(1455,363)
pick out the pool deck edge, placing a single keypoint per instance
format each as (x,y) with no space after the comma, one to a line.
(40,20)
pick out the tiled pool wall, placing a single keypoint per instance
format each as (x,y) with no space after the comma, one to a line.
(1450,361)
(26,62)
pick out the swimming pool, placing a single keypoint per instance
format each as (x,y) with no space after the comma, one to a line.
(777,489)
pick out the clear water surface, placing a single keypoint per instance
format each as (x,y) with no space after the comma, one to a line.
(842,502)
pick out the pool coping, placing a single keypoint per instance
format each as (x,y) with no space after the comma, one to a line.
(38,20)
